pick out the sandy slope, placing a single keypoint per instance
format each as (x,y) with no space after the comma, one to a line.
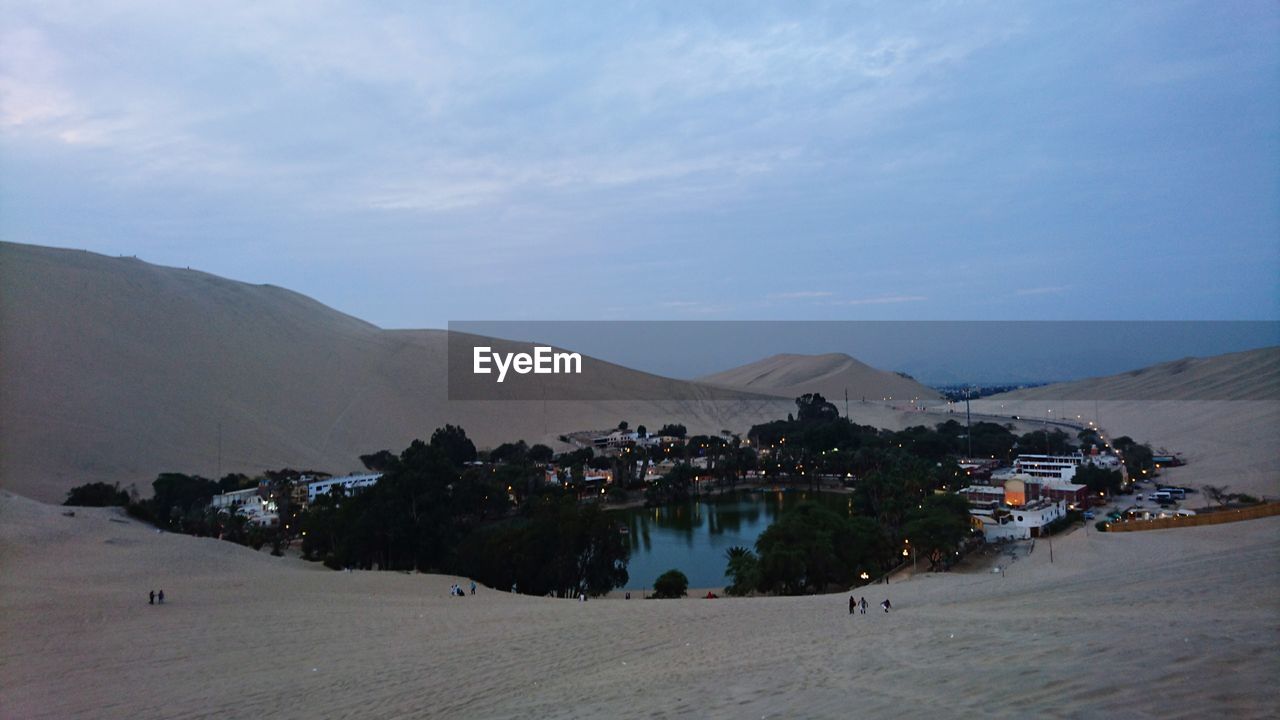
(831,375)
(1165,624)
(1232,439)
(117,370)
(1249,375)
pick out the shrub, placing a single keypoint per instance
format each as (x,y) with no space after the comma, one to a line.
(1101,525)
(671,584)
(98,494)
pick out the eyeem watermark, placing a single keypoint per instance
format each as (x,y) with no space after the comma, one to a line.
(543,361)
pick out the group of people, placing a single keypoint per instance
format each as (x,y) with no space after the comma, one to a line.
(457,590)
(860,605)
(153,596)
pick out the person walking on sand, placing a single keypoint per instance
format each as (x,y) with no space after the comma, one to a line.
(887,607)
(852,604)
(160,597)
(862,606)
(473,587)
(151,598)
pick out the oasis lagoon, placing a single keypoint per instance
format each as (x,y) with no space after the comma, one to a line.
(692,537)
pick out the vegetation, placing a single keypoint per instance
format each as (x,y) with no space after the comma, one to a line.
(562,548)
(1138,458)
(1098,479)
(434,513)
(743,571)
(670,430)
(1220,495)
(1047,442)
(811,549)
(671,584)
(937,528)
(97,494)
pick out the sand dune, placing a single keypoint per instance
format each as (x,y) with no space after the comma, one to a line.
(1167,624)
(832,375)
(1221,413)
(1249,375)
(116,370)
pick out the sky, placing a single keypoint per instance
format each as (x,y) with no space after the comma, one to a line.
(413,164)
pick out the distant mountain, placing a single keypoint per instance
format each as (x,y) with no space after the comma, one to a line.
(1248,375)
(831,375)
(116,370)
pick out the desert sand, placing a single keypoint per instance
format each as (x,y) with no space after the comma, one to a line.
(1222,414)
(1167,624)
(117,370)
(832,374)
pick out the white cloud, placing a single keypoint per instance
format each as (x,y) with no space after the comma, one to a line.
(1047,290)
(883,300)
(800,295)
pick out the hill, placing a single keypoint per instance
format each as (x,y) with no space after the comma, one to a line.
(1116,621)
(116,370)
(1221,413)
(831,375)
(1248,375)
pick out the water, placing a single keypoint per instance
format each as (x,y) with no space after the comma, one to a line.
(693,537)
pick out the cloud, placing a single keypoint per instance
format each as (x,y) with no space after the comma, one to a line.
(883,300)
(1047,290)
(801,295)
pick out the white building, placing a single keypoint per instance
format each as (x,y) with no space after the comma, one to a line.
(1049,467)
(349,483)
(1017,523)
(236,499)
(249,504)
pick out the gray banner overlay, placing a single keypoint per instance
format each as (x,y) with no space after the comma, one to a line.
(667,360)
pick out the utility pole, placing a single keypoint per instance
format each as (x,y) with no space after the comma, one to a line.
(846,403)
(219,476)
(968,420)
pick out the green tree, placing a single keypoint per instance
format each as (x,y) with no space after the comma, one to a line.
(811,548)
(1098,479)
(743,571)
(541,454)
(454,443)
(97,494)
(812,406)
(673,430)
(937,528)
(381,461)
(671,584)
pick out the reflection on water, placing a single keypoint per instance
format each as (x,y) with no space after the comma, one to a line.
(693,537)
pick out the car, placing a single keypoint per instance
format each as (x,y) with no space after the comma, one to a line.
(1088,515)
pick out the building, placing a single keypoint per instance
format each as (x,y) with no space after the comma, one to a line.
(236,499)
(1021,488)
(1049,467)
(977,494)
(349,483)
(248,503)
(1000,522)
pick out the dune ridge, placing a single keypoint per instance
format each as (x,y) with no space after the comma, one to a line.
(1252,375)
(1170,624)
(831,374)
(117,370)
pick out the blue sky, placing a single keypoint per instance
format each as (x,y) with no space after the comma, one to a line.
(413,165)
